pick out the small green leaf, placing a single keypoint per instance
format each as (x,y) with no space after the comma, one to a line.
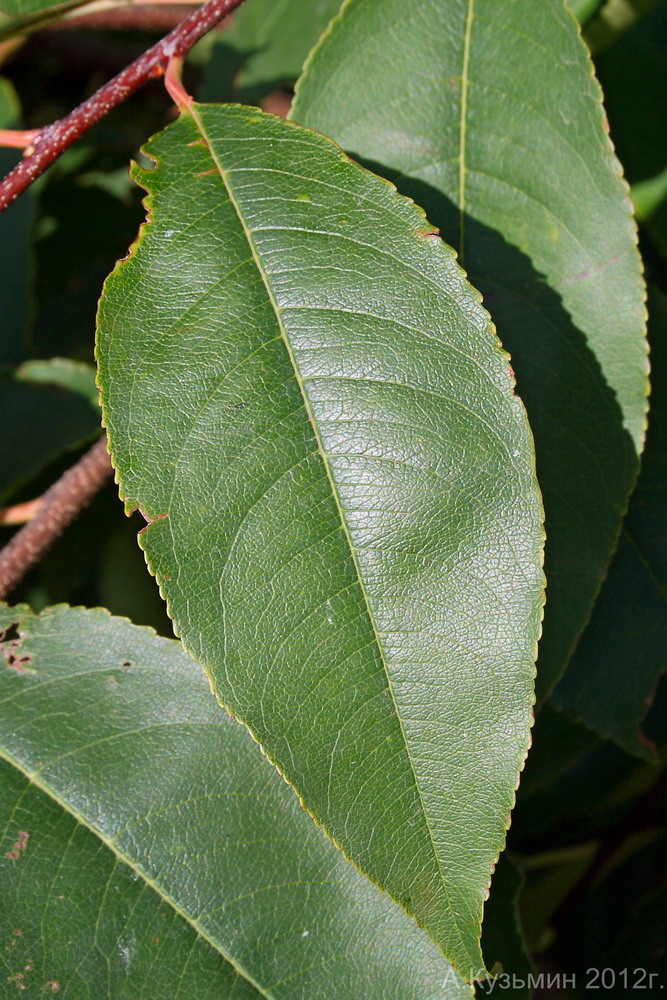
(609,684)
(615,18)
(552,877)
(305,398)
(76,376)
(503,942)
(25,8)
(18,17)
(41,420)
(649,196)
(149,851)
(632,72)
(558,744)
(15,256)
(488,115)
(589,791)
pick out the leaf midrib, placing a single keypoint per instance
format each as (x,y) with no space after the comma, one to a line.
(224,176)
(34,780)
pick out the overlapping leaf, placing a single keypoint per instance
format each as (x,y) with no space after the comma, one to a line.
(488,115)
(274,37)
(15,259)
(23,16)
(503,941)
(74,376)
(20,17)
(25,8)
(609,684)
(149,850)
(305,398)
(631,72)
(583,10)
(614,19)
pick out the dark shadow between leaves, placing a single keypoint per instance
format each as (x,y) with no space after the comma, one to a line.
(586,459)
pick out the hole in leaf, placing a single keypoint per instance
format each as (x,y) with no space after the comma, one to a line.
(11,645)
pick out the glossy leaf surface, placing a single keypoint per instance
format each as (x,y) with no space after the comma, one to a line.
(305,398)
(609,684)
(150,851)
(488,115)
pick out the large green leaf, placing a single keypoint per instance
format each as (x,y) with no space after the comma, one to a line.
(149,850)
(307,402)
(610,682)
(488,115)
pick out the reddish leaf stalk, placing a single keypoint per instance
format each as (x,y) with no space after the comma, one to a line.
(57,508)
(52,141)
(17,139)
(19,513)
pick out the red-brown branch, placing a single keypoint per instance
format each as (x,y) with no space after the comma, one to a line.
(57,507)
(53,140)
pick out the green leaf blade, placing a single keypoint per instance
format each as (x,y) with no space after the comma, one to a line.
(495,127)
(163,856)
(352,535)
(611,681)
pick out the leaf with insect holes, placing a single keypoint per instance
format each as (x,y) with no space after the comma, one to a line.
(307,401)
(15,253)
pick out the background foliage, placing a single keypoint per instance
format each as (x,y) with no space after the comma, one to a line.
(582,882)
